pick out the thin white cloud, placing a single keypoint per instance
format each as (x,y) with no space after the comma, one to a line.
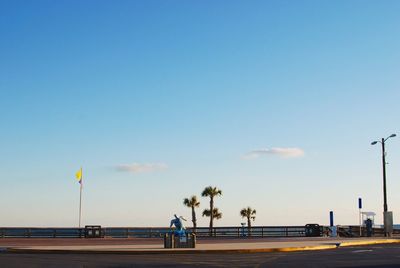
(141,167)
(282,152)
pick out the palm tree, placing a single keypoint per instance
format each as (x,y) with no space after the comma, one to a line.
(211,192)
(192,203)
(250,214)
(216,214)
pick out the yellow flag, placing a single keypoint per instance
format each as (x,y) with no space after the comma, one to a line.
(79,175)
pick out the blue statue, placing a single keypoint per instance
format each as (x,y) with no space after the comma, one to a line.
(179,227)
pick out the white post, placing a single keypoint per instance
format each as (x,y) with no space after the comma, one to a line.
(80,199)
(359,217)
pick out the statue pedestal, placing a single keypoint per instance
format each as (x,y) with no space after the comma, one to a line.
(173,241)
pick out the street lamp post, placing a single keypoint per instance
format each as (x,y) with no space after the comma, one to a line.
(387,216)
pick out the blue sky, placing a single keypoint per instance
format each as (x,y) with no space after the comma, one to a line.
(158,99)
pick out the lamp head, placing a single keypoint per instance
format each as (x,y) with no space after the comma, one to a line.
(392,136)
(374,142)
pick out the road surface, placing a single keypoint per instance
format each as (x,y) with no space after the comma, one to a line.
(375,256)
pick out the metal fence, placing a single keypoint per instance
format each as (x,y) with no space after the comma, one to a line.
(256,231)
(23,232)
(354,231)
(153,232)
(157,232)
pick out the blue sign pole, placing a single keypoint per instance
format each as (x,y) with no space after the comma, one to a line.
(331,218)
(359,213)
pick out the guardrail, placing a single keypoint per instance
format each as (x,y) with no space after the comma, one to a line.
(32,232)
(152,232)
(354,231)
(157,232)
(258,231)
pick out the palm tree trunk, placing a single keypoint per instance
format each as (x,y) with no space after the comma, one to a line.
(249,226)
(211,214)
(194,219)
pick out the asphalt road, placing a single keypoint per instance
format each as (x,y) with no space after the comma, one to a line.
(376,256)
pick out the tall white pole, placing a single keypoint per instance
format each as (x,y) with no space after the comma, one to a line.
(359,217)
(80,199)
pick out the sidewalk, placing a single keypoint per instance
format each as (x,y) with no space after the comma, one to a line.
(155,246)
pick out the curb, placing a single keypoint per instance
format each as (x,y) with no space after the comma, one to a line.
(198,251)
(161,252)
(372,242)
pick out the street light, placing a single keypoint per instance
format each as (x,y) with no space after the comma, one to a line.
(386,216)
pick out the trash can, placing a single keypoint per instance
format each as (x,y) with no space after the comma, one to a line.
(368,225)
(93,231)
(186,241)
(312,230)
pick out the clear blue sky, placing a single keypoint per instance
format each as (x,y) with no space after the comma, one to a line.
(158,99)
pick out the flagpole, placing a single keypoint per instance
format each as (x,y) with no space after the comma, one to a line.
(80,199)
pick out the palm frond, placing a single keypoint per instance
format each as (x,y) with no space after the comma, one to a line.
(211,191)
(248,212)
(216,214)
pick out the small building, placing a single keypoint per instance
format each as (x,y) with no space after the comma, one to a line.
(368,216)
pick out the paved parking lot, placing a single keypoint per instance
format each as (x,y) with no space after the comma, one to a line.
(376,256)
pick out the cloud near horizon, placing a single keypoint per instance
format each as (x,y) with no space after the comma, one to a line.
(282,152)
(141,168)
